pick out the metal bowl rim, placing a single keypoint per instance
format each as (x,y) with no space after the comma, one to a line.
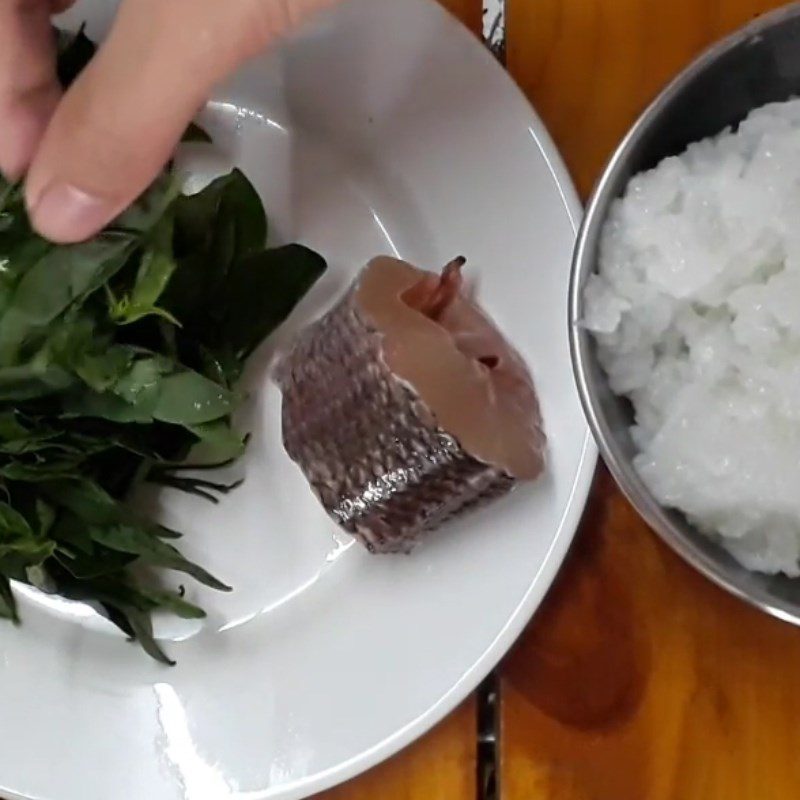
(583,264)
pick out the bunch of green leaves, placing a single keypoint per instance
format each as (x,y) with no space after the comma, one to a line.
(117,356)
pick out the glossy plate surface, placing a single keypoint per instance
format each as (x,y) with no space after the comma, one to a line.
(384,128)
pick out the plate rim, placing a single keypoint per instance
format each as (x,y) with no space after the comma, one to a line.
(543,577)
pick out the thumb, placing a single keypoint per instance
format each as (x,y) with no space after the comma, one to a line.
(118,124)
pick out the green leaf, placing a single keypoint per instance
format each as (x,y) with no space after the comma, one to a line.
(8,605)
(105,406)
(155,270)
(142,627)
(57,278)
(13,524)
(153,551)
(16,439)
(127,607)
(98,563)
(117,356)
(180,397)
(221,366)
(67,273)
(150,207)
(222,441)
(10,194)
(45,516)
(123,593)
(226,219)
(35,379)
(102,371)
(87,501)
(141,383)
(37,473)
(213,228)
(261,291)
(75,51)
(153,388)
(169,601)
(38,576)
(187,398)
(194,133)
(18,541)
(28,551)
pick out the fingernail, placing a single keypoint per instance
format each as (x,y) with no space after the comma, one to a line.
(64,213)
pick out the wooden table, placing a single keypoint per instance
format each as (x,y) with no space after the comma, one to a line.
(637,680)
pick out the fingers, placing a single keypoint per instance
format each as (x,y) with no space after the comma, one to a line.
(119,122)
(29,90)
(273,18)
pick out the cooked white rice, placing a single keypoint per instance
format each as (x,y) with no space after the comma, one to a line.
(696,309)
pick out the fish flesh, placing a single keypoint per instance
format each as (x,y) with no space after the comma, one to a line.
(404,406)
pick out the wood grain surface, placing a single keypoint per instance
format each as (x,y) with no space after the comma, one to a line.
(590,66)
(638,680)
(440,766)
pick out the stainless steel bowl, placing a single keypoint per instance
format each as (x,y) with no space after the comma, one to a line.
(758,64)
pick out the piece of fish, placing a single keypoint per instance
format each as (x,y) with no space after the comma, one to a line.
(405,406)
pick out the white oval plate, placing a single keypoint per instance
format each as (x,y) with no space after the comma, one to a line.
(385,128)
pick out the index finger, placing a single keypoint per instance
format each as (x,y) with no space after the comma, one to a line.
(29,90)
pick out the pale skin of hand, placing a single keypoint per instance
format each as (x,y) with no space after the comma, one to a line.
(85,155)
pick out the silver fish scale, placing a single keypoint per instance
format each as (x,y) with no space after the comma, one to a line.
(367,444)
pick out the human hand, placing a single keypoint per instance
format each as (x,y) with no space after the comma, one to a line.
(89,153)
